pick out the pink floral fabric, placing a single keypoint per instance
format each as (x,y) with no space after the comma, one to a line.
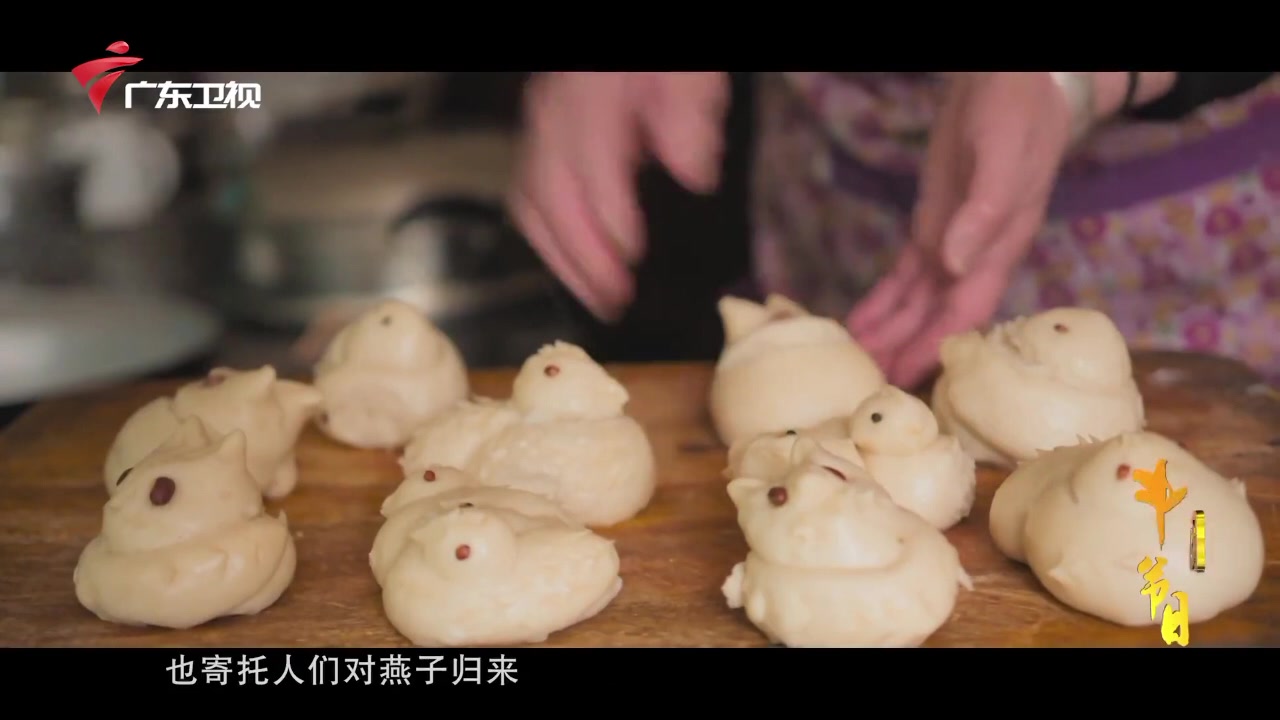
(1192,265)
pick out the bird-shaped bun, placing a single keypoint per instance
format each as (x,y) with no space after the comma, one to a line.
(783,368)
(1037,383)
(386,373)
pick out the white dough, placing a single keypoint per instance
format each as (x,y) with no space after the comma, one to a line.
(924,471)
(1072,515)
(386,373)
(783,368)
(562,434)
(1037,383)
(835,563)
(185,539)
(772,456)
(476,565)
(270,411)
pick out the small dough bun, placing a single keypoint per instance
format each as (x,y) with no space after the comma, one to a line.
(834,562)
(772,456)
(386,373)
(185,539)
(271,412)
(563,434)
(1036,383)
(924,471)
(490,567)
(783,368)
(1072,515)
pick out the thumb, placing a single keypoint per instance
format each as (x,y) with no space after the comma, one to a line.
(988,206)
(683,115)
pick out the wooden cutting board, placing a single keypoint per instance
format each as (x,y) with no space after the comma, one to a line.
(674,556)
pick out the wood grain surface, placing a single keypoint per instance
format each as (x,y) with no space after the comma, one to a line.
(675,555)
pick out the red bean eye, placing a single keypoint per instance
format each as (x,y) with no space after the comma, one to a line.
(1122,472)
(778,496)
(462,552)
(551,370)
(162,491)
(835,472)
(429,476)
(1059,327)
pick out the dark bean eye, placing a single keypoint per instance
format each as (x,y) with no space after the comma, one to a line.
(386,319)
(462,552)
(778,495)
(429,476)
(876,417)
(123,475)
(835,472)
(1122,472)
(791,432)
(1059,327)
(162,491)
(551,370)
(466,505)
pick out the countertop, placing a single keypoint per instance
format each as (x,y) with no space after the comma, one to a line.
(675,555)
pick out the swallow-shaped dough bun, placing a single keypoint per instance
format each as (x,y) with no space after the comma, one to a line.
(489,566)
(271,412)
(785,369)
(1073,515)
(833,562)
(185,539)
(386,373)
(1037,383)
(562,434)
(923,470)
(440,488)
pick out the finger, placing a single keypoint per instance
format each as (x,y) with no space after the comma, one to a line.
(605,143)
(1013,242)
(989,202)
(561,199)
(904,323)
(684,118)
(887,294)
(971,302)
(537,232)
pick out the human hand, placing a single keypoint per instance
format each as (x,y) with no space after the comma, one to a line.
(586,134)
(992,160)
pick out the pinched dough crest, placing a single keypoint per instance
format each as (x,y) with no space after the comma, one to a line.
(1073,516)
(783,368)
(833,562)
(1037,383)
(185,539)
(386,373)
(464,564)
(563,434)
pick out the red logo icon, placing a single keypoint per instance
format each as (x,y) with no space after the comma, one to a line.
(86,72)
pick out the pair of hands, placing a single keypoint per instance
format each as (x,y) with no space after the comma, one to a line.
(993,156)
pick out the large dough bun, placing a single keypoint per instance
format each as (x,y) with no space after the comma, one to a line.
(489,566)
(1072,515)
(386,373)
(185,539)
(271,412)
(1036,383)
(833,562)
(783,368)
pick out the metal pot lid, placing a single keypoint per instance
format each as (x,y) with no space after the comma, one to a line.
(60,340)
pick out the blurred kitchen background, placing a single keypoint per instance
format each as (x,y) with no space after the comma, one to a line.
(151,243)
